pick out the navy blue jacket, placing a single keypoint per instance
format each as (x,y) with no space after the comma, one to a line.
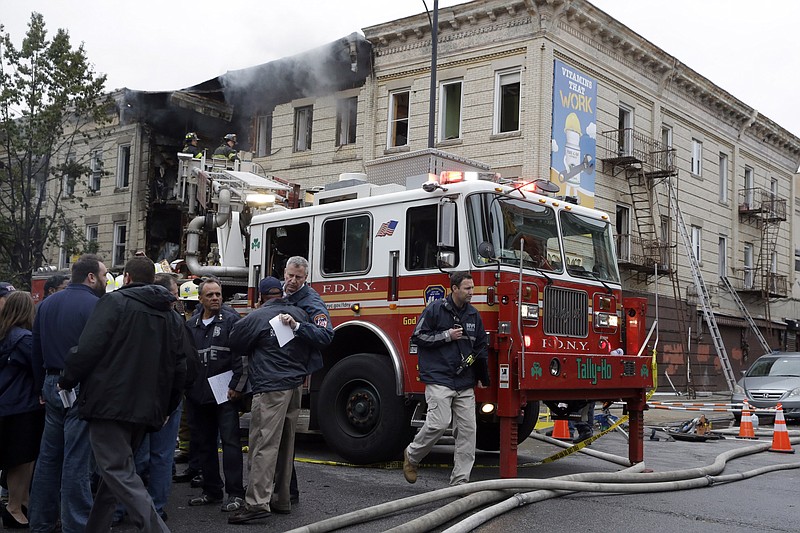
(271,367)
(439,357)
(18,374)
(214,350)
(60,320)
(317,333)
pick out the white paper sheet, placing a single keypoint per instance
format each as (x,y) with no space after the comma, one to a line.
(219,386)
(282,332)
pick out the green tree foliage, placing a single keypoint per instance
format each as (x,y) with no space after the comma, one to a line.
(52,104)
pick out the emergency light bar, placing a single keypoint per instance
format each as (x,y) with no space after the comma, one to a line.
(455,176)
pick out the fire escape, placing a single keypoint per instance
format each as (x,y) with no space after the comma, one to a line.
(764,210)
(647,249)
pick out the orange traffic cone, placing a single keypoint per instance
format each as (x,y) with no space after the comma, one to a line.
(561,430)
(780,436)
(746,426)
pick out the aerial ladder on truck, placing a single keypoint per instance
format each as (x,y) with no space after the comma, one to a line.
(224,195)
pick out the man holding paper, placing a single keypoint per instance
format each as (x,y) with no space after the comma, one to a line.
(210,414)
(278,365)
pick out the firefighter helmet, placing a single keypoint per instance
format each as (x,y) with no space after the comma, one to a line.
(111,283)
(230,137)
(189,291)
(192,137)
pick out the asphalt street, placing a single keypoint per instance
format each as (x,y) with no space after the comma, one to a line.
(330,489)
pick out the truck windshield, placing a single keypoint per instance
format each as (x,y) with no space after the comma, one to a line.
(588,247)
(518,230)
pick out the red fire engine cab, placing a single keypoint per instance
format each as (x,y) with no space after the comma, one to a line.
(546,284)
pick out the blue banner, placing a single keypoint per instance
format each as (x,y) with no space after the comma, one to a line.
(573,140)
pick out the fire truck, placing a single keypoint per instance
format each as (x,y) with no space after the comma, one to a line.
(546,284)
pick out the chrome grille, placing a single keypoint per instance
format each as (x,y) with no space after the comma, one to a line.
(767,395)
(566,312)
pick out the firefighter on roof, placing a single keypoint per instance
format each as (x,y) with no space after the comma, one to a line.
(190,146)
(227,149)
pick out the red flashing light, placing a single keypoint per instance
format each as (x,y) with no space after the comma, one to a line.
(450,176)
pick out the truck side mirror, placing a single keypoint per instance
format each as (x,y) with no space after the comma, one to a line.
(446,237)
(486,250)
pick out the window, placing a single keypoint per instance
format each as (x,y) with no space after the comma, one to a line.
(346,245)
(797,259)
(507,101)
(723,178)
(96,166)
(398,119)
(748,265)
(120,240)
(303,120)
(283,242)
(697,236)
(68,178)
(450,110)
(346,113)
(666,146)
(123,166)
(420,240)
(722,254)
(748,188)
(625,130)
(666,240)
(263,135)
(623,233)
(65,248)
(697,157)
(92,235)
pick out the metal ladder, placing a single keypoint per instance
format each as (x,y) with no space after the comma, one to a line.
(747,317)
(702,291)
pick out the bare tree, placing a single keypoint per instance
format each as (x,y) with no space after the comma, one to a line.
(52,104)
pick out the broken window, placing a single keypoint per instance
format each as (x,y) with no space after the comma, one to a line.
(346,110)
(263,135)
(96,165)
(303,119)
(507,101)
(450,110)
(123,166)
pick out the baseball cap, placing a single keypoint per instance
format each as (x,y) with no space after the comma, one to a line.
(5,288)
(269,284)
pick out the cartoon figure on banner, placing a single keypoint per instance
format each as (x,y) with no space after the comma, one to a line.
(575,163)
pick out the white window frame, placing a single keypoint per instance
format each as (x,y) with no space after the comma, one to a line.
(625,126)
(666,141)
(697,243)
(123,167)
(346,120)
(749,184)
(92,233)
(120,243)
(722,254)
(395,120)
(697,157)
(64,257)
(502,79)
(303,128)
(446,108)
(623,229)
(748,265)
(723,178)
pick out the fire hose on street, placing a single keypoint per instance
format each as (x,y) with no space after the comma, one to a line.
(481,493)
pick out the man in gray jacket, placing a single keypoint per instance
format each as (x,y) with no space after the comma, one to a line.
(276,376)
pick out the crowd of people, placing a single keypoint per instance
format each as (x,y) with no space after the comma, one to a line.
(93,387)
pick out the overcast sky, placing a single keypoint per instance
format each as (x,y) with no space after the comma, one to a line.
(749,49)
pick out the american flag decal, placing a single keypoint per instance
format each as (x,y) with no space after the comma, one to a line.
(386,229)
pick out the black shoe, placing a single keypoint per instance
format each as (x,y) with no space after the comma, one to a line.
(294,499)
(583,436)
(9,522)
(197,481)
(204,499)
(247,515)
(185,476)
(163,515)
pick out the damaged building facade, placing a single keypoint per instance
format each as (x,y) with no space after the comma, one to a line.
(532,88)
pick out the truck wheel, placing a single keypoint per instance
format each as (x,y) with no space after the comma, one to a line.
(488,437)
(365,421)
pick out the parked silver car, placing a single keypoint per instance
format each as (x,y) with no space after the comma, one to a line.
(772,378)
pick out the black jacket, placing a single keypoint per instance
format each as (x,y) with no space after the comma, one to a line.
(439,357)
(130,359)
(317,333)
(215,353)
